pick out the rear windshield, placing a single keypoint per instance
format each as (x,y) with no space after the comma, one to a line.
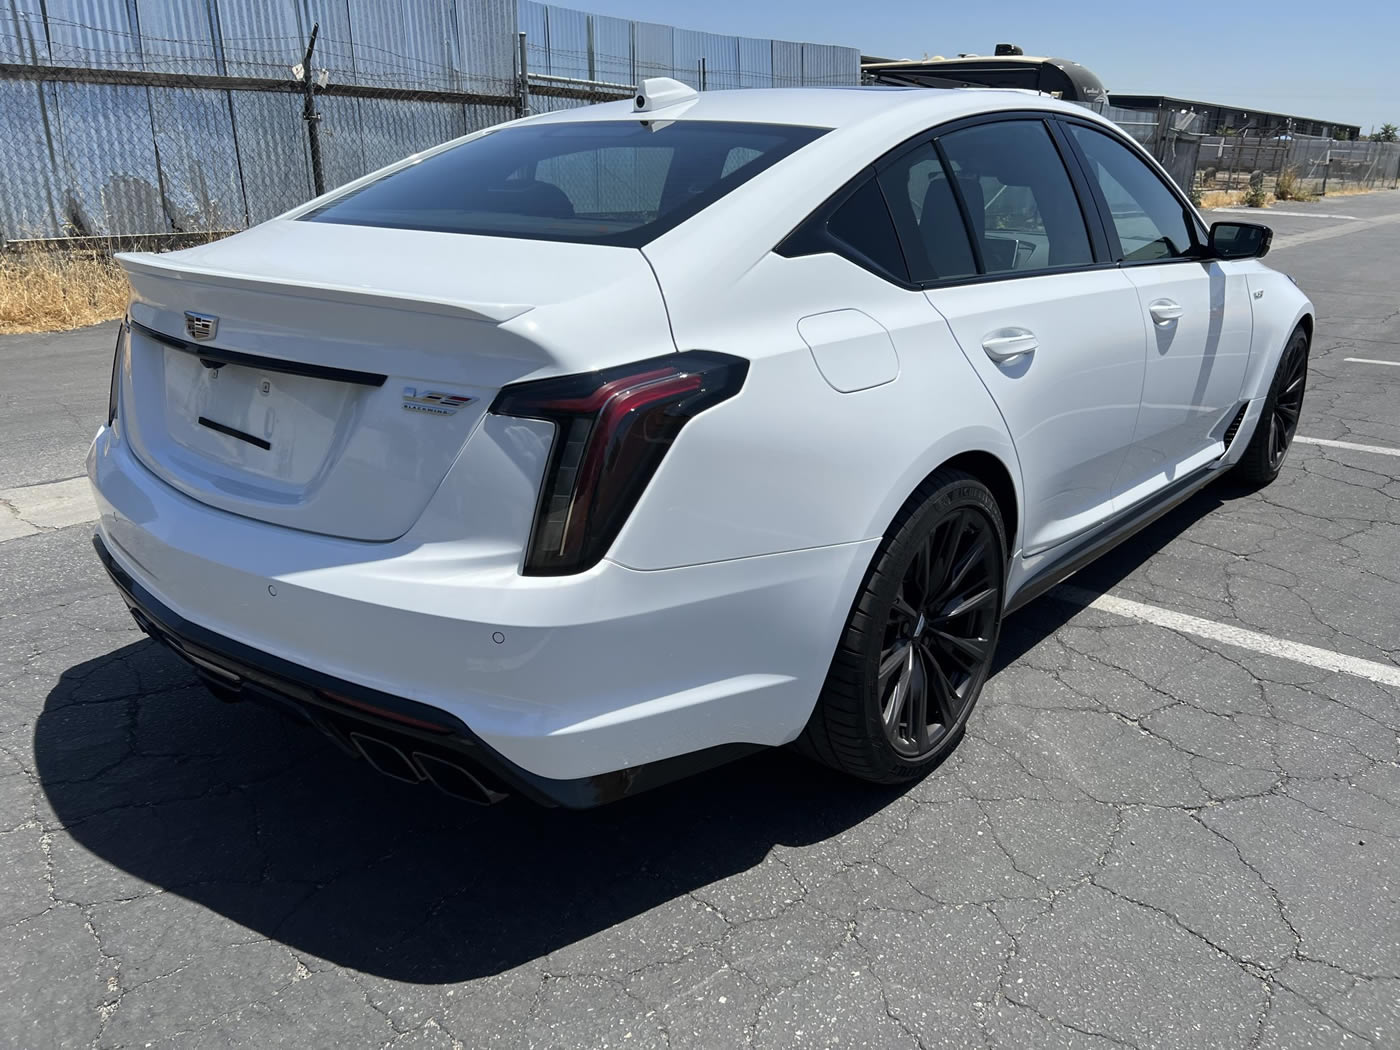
(597,182)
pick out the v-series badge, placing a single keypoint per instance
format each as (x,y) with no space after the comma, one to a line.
(434,401)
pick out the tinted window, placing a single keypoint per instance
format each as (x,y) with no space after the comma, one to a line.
(1149,219)
(927,217)
(1024,212)
(600,182)
(863,224)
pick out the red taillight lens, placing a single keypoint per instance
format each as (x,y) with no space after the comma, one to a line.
(612,430)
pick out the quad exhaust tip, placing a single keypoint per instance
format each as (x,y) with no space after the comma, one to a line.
(445,775)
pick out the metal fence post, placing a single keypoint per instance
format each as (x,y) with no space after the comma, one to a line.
(523,104)
(309,114)
(1326,174)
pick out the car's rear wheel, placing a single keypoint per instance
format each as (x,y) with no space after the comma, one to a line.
(1278,423)
(920,639)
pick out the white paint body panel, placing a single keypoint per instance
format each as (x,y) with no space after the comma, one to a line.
(394,541)
(1072,404)
(852,350)
(1195,365)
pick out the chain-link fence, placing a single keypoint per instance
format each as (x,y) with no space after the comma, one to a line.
(124,118)
(1295,165)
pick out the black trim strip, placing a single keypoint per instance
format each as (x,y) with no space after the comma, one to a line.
(267,364)
(233,432)
(304,689)
(1105,539)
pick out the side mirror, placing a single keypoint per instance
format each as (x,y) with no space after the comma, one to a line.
(1240,240)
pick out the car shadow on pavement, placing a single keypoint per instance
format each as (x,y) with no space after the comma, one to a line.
(264,822)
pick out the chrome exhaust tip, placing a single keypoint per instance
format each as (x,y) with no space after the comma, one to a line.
(386,758)
(452,779)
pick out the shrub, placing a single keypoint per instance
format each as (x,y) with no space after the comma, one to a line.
(1290,188)
(1256,196)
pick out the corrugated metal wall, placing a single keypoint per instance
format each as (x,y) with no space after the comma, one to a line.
(127,158)
(155,157)
(570,43)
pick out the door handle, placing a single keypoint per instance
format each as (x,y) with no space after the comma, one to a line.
(1164,311)
(1007,344)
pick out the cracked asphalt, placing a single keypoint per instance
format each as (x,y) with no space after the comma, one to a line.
(1147,839)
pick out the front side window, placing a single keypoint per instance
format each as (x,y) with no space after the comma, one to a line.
(1019,197)
(621,182)
(1150,221)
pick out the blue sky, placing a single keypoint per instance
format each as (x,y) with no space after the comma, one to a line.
(1334,61)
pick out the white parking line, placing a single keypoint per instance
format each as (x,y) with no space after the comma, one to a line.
(1344,229)
(53,505)
(1371,361)
(1290,214)
(1239,637)
(1353,446)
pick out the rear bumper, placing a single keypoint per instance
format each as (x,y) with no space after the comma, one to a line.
(425,737)
(573,690)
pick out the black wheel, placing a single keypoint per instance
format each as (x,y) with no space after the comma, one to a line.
(1273,434)
(920,639)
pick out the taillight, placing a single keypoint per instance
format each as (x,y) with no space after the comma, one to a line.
(612,429)
(112,390)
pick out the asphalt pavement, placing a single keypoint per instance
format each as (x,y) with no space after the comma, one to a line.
(1175,820)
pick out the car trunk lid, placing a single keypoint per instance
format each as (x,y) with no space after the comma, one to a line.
(325,377)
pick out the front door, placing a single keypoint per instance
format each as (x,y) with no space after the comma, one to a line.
(1195,315)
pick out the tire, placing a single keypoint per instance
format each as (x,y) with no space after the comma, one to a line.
(1278,423)
(934,642)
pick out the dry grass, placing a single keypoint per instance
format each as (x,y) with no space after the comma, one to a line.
(52,291)
(1224,198)
(1355,191)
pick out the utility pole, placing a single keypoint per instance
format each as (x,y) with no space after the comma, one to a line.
(309,114)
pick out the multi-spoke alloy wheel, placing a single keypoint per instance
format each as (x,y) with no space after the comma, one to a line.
(938,639)
(920,639)
(1288,401)
(1278,422)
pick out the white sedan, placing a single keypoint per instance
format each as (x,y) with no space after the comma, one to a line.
(604,445)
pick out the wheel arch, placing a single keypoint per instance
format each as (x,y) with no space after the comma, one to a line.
(991,470)
(1279,307)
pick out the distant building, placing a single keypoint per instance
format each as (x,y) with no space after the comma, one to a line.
(1215,118)
(1009,67)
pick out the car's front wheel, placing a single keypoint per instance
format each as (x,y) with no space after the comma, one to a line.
(920,639)
(1278,422)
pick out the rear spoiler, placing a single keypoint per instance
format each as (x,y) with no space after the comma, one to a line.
(154,265)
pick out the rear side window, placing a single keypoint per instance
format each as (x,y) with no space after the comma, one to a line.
(926,213)
(1148,218)
(863,225)
(620,182)
(1019,197)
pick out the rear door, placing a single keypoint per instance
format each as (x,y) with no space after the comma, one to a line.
(1196,317)
(1053,330)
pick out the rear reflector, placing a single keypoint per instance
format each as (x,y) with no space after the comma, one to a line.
(383,712)
(612,430)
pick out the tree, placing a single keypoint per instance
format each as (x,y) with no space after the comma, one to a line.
(1388,133)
